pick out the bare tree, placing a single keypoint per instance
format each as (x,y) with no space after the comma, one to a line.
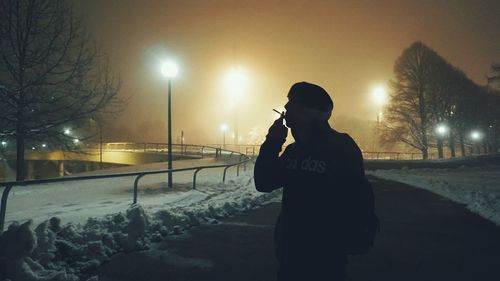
(51,74)
(408,116)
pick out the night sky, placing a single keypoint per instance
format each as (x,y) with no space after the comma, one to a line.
(348,47)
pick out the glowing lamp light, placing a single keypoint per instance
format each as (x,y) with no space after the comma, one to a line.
(379,95)
(235,81)
(67,131)
(223,127)
(442,130)
(44,145)
(169,69)
(76,141)
(4,143)
(475,135)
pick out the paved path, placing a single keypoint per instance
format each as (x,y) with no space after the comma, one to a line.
(424,237)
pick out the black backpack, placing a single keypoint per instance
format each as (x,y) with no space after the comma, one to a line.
(360,235)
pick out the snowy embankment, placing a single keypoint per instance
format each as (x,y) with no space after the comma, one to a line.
(62,250)
(476,187)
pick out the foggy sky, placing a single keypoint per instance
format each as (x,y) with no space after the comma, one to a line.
(348,47)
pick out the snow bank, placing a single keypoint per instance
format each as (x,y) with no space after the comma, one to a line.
(53,251)
(476,187)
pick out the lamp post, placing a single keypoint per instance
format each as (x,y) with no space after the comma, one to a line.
(379,96)
(380,99)
(223,128)
(169,70)
(182,142)
(235,82)
(441,131)
(475,137)
(100,145)
(99,128)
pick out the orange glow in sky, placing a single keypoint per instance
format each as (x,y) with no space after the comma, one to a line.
(345,46)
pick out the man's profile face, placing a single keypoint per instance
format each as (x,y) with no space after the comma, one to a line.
(295,114)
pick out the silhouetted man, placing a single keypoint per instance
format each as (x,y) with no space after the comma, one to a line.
(323,182)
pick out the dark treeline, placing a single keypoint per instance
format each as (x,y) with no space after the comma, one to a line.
(434,105)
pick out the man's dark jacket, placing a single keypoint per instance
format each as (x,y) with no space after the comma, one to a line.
(322,194)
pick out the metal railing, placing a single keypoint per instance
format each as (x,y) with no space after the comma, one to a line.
(393,155)
(253,150)
(243,159)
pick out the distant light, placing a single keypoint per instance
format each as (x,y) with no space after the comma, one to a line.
(235,81)
(33,148)
(223,127)
(442,129)
(44,145)
(169,69)
(379,95)
(67,131)
(76,141)
(4,143)
(475,135)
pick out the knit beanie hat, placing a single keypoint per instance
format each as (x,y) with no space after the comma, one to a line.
(312,96)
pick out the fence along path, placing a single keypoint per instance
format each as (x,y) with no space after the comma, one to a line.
(77,198)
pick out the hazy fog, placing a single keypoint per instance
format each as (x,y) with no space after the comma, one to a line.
(348,47)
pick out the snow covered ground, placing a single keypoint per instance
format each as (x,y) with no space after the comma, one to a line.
(79,226)
(476,187)
(66,231)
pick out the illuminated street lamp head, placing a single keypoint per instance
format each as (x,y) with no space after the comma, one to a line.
(442,129)
(169,69)
(475,135)
(223,127)
(235,81)
(379,95)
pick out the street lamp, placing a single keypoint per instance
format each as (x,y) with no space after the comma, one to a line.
(98,125)
(223,128)
(235,82)
(380,98)
(441,131)
(169,70)
(475,136)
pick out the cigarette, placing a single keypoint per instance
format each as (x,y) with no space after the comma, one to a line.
(277,111)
